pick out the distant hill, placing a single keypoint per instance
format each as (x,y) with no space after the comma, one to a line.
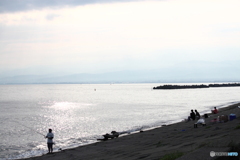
(187,72)
(123,77)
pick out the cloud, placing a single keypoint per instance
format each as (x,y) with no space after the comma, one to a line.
(51,16)
(146,34)
(23,5)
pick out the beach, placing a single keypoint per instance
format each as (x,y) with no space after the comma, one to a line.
(180,139)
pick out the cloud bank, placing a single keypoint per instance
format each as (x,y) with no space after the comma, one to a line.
(23,5)
(108,37)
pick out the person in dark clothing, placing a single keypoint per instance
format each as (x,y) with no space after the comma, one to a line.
(197,114)
(192,116)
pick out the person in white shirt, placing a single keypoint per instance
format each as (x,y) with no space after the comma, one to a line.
(50,137)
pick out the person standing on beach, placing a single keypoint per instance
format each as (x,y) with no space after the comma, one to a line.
(50,137)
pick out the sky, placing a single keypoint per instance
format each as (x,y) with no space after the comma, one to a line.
(89,36)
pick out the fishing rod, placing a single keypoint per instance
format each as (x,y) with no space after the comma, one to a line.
(30,129)
(59,148)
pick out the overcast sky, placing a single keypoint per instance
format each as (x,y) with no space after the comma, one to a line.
(112,35)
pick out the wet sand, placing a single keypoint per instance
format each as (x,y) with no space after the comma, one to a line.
(179,138)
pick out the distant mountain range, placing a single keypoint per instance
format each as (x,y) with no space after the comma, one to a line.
(189,72)
(126,77)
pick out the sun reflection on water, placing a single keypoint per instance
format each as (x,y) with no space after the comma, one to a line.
(67,105)
(65,117)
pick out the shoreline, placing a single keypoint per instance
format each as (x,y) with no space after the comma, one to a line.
(178,138)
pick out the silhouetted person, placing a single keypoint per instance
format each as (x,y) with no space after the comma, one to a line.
(192,116)
(197,114)
(50,137)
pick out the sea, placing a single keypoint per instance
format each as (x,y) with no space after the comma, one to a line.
(79,114)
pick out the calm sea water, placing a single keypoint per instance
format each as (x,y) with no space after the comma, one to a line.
(79,114)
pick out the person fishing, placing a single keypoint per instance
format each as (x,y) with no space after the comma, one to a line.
(50,137)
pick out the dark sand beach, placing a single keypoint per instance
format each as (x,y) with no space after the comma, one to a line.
(180,139)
